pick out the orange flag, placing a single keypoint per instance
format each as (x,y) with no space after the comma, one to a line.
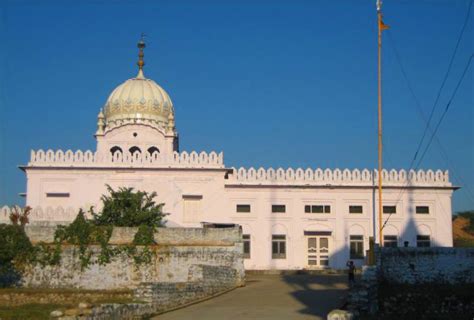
(383,26)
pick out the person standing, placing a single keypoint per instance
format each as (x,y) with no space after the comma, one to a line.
(350,272)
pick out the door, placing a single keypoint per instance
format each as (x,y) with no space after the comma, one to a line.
(318,251)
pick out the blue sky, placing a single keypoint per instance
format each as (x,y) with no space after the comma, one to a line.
(270,83)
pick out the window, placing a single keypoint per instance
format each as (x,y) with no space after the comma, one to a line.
(192,208)
(153,150)
(243,208)
(390,241)
(355,209)
(422,210)
(246,238)
(390,209)
(278,246)
(278,208)
(423,241)
(115,149)
(317,209)
(134,150)
(57,194)
(357,247)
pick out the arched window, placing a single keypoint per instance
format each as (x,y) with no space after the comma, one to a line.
(134,150)
(153,150)
(115,149)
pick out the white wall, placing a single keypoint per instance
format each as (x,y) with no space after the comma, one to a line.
(219,200)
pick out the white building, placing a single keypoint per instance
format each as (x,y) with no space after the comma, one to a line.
(291,219)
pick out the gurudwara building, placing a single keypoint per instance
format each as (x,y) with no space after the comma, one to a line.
(291,218)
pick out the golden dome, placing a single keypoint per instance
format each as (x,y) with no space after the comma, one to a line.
(138,100)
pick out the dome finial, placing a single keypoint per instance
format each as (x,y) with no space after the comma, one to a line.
(141,45)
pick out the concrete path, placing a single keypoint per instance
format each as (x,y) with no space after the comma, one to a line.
(274,297)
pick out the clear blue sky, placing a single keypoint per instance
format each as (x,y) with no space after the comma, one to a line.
(270,83)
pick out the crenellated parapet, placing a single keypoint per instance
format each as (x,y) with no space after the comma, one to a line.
(91,159)
(47,214)
(338,177)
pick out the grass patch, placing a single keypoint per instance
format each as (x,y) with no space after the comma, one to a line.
(42,311)
(29,311)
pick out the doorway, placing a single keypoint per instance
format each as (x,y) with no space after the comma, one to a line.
(318,249)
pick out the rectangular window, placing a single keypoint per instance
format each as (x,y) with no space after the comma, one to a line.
(317,209)
(278,246)
(357,247)
(390,241)
(423,241)
(278,208)
(192,208)
(355,209)
(422,210)
(246,239)
(390,209)
(57,194)
(243,208)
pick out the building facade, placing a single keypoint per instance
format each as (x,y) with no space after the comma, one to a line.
(291,219)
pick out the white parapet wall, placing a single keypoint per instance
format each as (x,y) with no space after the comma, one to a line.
(344,177)
(44,216)
(60,158)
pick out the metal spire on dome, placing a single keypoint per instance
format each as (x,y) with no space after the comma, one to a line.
(141,45)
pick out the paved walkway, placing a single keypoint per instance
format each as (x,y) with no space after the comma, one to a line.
(274,297)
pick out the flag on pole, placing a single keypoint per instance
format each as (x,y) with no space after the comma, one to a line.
(383,26)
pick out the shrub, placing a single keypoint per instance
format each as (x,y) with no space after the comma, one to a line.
(144,235)
(19,216)
(128,208)
(78,232)
(15,250)
(14,244)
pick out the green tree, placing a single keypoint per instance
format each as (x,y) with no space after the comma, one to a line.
(468,215)
(14,244)
(128,208)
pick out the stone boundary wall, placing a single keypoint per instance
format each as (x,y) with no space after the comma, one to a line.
(426,265)
(446,268)
(204,281)
(162,236)
(177,251)
(157,297)
(363,295)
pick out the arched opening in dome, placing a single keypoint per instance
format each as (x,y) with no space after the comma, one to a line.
(153,151)
(116,149)
(134,150)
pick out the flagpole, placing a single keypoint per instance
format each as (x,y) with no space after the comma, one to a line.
(379,24)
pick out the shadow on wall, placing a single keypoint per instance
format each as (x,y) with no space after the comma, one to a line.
(412,229)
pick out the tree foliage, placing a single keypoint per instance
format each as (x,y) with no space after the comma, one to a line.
(128,208)
(468,215)
(14,244)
